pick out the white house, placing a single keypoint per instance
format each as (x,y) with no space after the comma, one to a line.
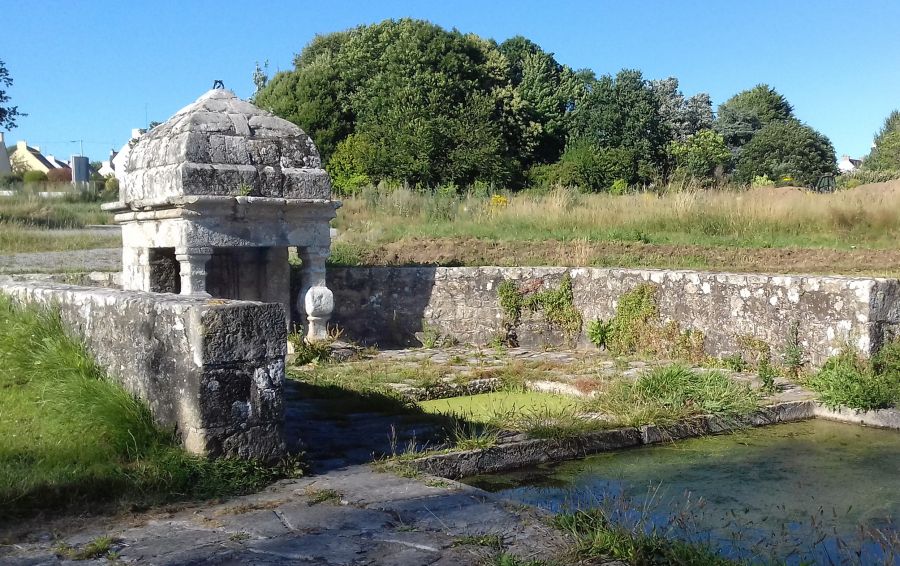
(847,164)
(107,167)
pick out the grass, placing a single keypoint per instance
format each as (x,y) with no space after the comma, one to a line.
(491,407)
(758,218)
(667,394)
(71,439)
(96,548)
(851,231)
(28,223)
(851,381)
(598,537)
(17,238)
(72,211)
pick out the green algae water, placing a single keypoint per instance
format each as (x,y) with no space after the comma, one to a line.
(810,492)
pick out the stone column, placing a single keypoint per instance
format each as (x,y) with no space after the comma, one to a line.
(193,269)
(135,269)
(315,297)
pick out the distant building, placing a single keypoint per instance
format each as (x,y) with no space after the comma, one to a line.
(30,158)
(847,164)
(5,166)
(108,167)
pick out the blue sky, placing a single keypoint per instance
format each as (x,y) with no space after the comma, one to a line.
(91,71)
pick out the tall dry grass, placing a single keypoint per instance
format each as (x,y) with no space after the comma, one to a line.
(761,217)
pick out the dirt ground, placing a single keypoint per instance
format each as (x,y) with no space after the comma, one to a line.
(470,251)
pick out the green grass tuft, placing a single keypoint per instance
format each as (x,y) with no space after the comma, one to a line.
(851,381)
(667,394)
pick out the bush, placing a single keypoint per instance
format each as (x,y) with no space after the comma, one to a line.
(60,175)
(787,150)
(110,189)
(348,166)
(701,154)
(864,176)
(34,177)
(8,180)
(851,381)
(588,167)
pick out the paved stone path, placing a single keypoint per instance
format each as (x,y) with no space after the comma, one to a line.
(351,516)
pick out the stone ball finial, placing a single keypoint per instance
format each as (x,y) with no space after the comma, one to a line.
(222,145)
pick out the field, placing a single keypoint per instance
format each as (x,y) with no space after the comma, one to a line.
(771,229)
(29,223)
(778,230)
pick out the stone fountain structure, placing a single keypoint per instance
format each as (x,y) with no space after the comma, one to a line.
(214,198)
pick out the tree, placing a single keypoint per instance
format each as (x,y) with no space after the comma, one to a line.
(544,93)
(788,152)
(427,100)
(701,154)
(682,116)
(747,112)
(8,114)
(623,112)
(885,154)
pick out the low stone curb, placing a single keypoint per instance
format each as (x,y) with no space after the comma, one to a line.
(881,418)
(519,453)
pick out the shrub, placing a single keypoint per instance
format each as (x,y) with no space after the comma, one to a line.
(702,153)
(787,149)
(60,175)
(849,380)
(586,166)
(110,189)
(762,181)
(8,180)
(34,177)
(350,163)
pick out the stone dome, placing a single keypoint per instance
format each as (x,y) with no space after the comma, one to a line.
(224,146)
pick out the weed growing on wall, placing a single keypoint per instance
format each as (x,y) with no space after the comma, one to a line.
(636,328)
(557,306)
(793,352)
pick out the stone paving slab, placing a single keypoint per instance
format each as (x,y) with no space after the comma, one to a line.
(378,518)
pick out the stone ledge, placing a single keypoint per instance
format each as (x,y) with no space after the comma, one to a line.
(518,452)
(881,418)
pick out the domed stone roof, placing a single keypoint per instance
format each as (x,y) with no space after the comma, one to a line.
(222,145)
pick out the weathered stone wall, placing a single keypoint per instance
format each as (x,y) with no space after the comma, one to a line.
(212,369)
(387,305)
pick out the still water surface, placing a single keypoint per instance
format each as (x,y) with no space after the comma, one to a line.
(771,492)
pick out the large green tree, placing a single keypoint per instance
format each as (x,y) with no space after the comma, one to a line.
(8,114)
(623,112)
(789,152)
(541,94)
(885,154)
(749,111)
(431,105)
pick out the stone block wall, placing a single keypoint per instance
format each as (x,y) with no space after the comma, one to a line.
(387,305)
(211,369)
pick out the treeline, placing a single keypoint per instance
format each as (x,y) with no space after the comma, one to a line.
(409,102)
